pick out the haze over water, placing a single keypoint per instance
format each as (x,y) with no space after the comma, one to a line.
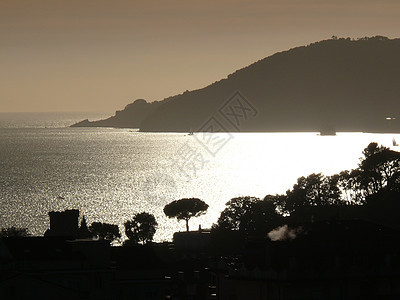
(109,174)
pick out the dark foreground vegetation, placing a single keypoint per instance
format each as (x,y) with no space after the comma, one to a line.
(329,237)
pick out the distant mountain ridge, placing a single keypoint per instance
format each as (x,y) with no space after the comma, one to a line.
(332,85)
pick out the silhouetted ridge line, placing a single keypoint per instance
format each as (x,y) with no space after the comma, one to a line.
(337,85)
(130,117)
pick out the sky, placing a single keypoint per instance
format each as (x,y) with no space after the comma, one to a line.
(98,56)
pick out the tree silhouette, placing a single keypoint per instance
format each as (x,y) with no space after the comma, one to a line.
(262,217)
(186,208)
(141,228)
(350,185)
(105,231)
(315,189)
(231,216)
(369,192)
(250,215)
(379,169)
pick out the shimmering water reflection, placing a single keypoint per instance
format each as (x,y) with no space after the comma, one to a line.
(109,174)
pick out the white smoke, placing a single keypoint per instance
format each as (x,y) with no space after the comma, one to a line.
(284,233)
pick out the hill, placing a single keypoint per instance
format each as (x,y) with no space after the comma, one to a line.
(332,85)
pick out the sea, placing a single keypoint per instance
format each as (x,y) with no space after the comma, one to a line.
(110,174)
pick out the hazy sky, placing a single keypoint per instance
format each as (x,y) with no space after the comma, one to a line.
(99,55)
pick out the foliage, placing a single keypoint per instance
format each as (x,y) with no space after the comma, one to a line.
(14,232)
(250,215)
(350,186)
(313,190)
(380,169)
(262,217)
(105,231)
(236,208)
(186,208)
(371,192)
(141,228)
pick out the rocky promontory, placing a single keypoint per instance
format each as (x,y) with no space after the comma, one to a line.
(130,117)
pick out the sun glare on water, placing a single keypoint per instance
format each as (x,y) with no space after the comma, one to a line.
(110,174)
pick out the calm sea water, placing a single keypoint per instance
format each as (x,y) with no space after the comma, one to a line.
(110,174)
